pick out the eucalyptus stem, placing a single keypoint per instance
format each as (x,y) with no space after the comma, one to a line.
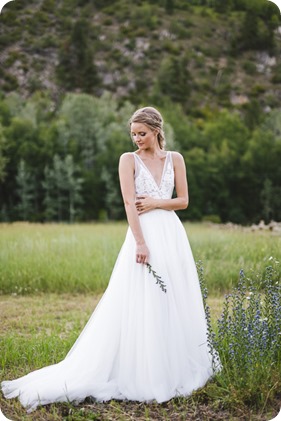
(157,277)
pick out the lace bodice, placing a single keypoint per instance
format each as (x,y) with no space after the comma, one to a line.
(145,183)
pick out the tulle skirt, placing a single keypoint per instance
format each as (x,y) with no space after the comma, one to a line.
(141,343)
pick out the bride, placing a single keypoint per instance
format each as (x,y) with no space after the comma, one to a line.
(147,338)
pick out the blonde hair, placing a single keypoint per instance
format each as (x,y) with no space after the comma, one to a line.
(152,119)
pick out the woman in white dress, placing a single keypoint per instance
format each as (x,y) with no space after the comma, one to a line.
(145,341)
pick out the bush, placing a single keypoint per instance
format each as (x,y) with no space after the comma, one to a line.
(249,67)
(12,57)
(258,89)
(11,83)
(180,29)
(212,218)
(276,77)
(247,338)
(48,6)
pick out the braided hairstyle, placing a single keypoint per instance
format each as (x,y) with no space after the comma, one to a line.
(152,119)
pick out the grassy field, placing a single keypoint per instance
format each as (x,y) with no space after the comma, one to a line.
(79,258)
(39,330)
(51,278)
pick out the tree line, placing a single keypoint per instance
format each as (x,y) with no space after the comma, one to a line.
(59,162)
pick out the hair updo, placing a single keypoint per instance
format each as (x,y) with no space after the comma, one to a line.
(152,119)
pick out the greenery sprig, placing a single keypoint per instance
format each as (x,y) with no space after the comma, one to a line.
(157,277)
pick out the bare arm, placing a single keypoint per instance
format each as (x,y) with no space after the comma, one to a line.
(144,204)
(126,176)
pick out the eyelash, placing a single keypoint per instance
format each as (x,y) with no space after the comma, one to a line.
(141,134)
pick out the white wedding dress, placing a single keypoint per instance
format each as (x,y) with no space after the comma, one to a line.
(141,343)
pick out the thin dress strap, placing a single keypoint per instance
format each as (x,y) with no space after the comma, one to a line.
(137,164)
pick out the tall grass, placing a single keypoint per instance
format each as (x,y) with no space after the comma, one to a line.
(80,258)
(57,258)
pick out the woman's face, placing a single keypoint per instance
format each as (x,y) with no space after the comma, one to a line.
(143,136)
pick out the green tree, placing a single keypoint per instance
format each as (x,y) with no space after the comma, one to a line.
(266,200)
(73,188)
(116,141)
(50,204)
(79,126)
(186,134)
(226,140)
(62,185)
(222,6)
(174,79)
(198,182)
(5,115)
(262,170)
(257,28)
(20,144)
(76,68)
(94,131)
(169,6)
(3,158)
(25,191)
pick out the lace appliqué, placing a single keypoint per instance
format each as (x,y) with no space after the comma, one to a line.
(146,185)
(167,183)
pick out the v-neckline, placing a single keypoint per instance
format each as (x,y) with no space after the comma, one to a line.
(148,170)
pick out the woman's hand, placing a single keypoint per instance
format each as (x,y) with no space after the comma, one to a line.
(142,253)
(145,204)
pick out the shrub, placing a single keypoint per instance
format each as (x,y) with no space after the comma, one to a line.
(12,57)
(247,337)
(107,21)
(11,82)
(180,29)
(249,67)
(212,218)
(276,77)
(48,6)
(258,89)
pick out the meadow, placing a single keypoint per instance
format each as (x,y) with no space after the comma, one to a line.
(63,258)
(52,276)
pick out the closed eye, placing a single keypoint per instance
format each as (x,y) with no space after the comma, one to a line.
(142,134)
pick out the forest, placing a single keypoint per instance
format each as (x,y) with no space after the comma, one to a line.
(73,71)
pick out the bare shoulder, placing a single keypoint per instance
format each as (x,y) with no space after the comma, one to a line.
(127,155)
(177,158)
(126,159)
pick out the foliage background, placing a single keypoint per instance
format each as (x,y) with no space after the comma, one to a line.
(73,71)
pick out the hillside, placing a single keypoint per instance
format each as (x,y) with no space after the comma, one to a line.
(144,51)
(73,71)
